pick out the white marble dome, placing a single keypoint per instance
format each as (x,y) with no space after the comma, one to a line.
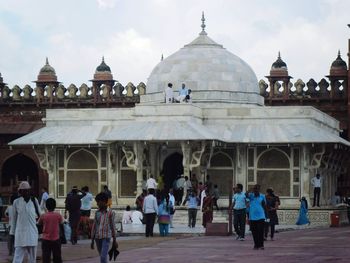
(209,70)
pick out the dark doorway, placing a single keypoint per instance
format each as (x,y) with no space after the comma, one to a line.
(172,167)
(20,168)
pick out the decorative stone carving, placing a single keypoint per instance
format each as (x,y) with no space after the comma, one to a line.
(72,91)
(141,88)
(6,92)
(16,93)
(196,157)
(311,87)
(46,158)
(262,87)
(27,92)
(317,157)
(61,90)
(84,91)
(118,89)
(130,88)
(323,84)
(299,87)
(130,158)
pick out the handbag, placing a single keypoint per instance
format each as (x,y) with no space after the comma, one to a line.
(63,238)
(164,219)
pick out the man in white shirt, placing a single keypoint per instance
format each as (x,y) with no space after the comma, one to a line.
(151,183)
(150,210)
(86,201)
(169,93)
(137,217)
(44,197)
(316,183)
(23,225)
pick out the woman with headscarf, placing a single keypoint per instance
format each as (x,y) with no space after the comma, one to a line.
(207,208)
(303,212)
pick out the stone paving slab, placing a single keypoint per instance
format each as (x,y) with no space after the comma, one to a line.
(306,245)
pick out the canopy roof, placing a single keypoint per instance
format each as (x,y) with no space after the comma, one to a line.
(180,131)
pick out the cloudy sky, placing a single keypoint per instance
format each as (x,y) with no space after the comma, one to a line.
(133,34)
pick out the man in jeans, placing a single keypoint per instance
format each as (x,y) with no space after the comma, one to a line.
(192,208)
(150,210)
(239,203)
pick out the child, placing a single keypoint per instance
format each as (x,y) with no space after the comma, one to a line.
(103,228)
(50,237)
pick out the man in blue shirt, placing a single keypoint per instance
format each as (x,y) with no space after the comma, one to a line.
(257,216)
(239,203)
(192,208)
(183,92)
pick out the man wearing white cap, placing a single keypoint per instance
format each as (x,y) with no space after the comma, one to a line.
(23,225)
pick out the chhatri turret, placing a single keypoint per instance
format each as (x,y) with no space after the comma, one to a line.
(338,76)
(102,77)
(279,72)
(47,76)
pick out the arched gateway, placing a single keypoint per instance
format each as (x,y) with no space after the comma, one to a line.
(19,168)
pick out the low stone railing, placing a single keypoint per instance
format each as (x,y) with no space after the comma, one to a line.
(51,94)
(299,89)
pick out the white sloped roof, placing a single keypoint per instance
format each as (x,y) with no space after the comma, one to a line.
(159,131)
(64,135)
(276,133)
(180,131)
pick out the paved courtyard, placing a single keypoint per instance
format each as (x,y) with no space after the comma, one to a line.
(307,245)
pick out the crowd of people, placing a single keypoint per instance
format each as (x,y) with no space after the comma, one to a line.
(30,218)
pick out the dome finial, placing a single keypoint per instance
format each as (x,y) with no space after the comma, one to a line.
(47,61)
(103,58)
(279,54)
(203,25)
(339,53)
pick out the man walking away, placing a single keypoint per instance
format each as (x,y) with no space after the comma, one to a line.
(239,203)
(150,210)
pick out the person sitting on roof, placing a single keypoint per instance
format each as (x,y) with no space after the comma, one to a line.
(188,98)
(169,93)
(183,92)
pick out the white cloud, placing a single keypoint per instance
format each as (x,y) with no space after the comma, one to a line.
(132,35)
(107,3)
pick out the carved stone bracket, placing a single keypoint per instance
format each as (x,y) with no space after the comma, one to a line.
(46,158)
(130,158)
(134,157)
(317,158)
(196,157)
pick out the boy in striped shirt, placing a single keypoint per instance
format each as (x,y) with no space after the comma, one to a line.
(103,228)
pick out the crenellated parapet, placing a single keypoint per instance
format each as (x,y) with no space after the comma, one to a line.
(323,89)
(72,94)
